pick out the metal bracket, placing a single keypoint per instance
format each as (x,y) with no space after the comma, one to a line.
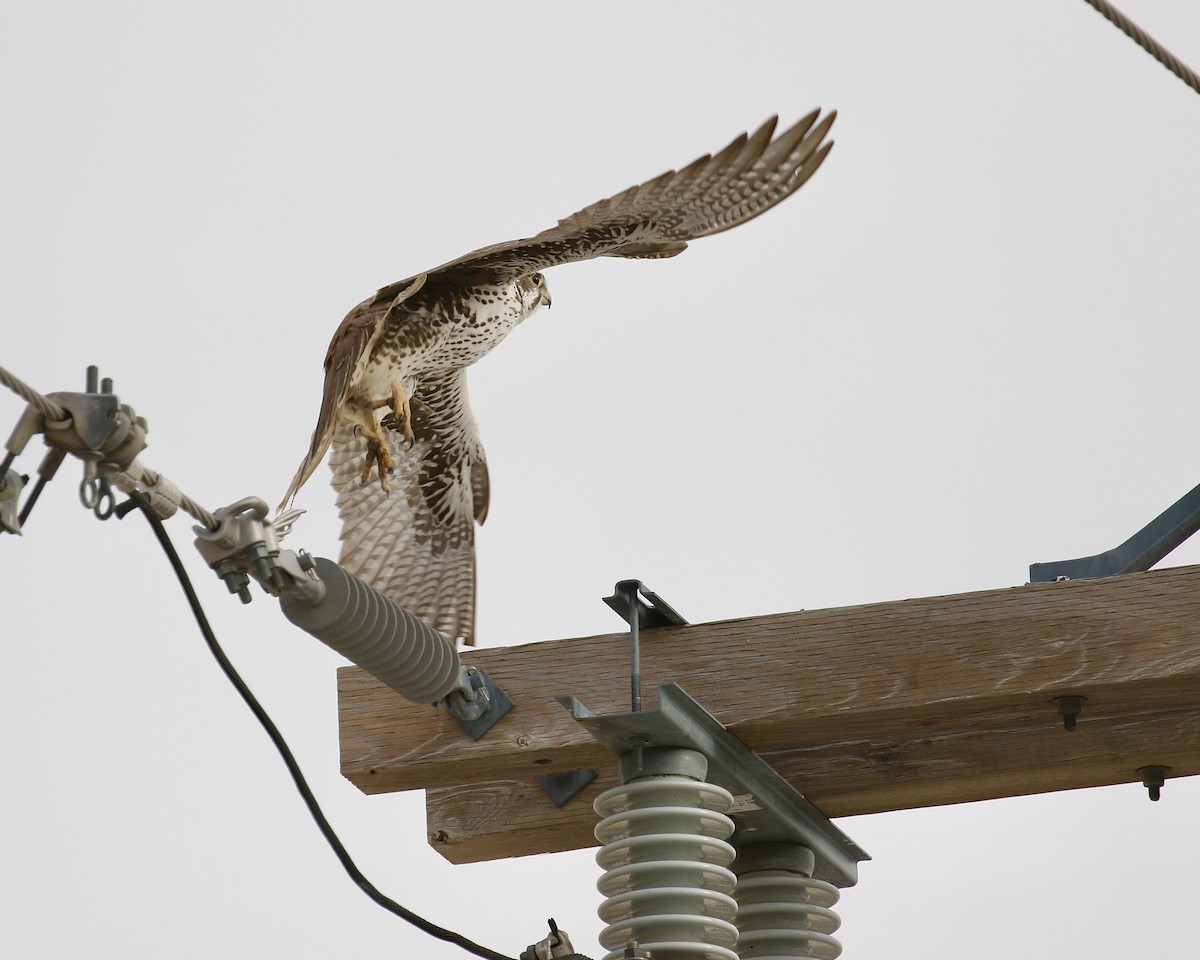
(478,716)
(96,427)
(1137,554)
(561,787)
(244,544)
(767,807)
(653,610)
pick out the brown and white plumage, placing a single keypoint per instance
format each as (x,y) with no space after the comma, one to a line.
(395,396)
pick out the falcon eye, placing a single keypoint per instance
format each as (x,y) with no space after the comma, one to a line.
(537,279)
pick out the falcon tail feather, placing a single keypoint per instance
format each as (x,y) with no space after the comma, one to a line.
(316,453)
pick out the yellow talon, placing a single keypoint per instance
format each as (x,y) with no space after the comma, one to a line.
(400,418)
(378,456)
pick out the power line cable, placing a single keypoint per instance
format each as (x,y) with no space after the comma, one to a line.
(44,405)
(136,501)
(1147,42)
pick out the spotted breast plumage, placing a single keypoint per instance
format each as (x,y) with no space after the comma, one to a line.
(395,401)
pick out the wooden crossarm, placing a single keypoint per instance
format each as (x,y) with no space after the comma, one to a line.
(869,708)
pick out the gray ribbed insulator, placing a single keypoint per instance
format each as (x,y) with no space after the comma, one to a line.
(666,858)
(783,914)
(383,638)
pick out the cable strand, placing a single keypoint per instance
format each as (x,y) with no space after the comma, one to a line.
(260,714)
(44,405)
(1146,42)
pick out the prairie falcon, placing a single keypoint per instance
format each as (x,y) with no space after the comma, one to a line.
(395,399)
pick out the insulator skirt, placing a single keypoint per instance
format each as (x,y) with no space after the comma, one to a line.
(783,915)
(666,860)
(373,632)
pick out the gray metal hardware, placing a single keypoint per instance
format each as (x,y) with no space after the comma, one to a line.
(561,787)
(243,545)
(1137,554)
(1153,779)
(477,715)
(557,946)
(768,807)
(94,426)
(653,610)
(1069,708)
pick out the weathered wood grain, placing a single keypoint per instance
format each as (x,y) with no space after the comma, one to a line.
(488,821)
(867,708)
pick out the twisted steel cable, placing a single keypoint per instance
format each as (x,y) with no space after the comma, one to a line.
(197,512)
(45,406)
(1146,42)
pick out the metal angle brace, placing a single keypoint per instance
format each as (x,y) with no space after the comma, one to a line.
(766,807)
(1137,554)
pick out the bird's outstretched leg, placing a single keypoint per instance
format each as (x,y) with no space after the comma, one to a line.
(377,455)
(401,416)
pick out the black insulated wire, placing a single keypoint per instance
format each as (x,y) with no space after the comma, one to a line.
(310,801)
(30,500)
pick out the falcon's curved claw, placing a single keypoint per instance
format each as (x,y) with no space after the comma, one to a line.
(378,456)
(400,419)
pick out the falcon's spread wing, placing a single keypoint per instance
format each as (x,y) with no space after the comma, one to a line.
(417,544)
(656,219)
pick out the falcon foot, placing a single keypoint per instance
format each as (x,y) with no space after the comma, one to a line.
(400,419)
(377,455)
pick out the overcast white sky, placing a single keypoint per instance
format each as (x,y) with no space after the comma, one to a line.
(968,344)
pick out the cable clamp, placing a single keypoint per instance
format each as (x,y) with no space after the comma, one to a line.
(97,426)
(160,494)
(243,546)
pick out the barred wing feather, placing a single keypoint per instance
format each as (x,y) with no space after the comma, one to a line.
(416,544)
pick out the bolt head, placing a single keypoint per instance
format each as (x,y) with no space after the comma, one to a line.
(1153,779)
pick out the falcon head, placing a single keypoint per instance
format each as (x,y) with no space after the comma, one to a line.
(534,291)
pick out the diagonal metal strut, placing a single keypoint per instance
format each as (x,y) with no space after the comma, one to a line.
(1137,554)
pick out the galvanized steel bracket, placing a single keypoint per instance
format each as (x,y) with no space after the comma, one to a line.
(766,807)
(653,610)
(1137,554)
(478,716)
